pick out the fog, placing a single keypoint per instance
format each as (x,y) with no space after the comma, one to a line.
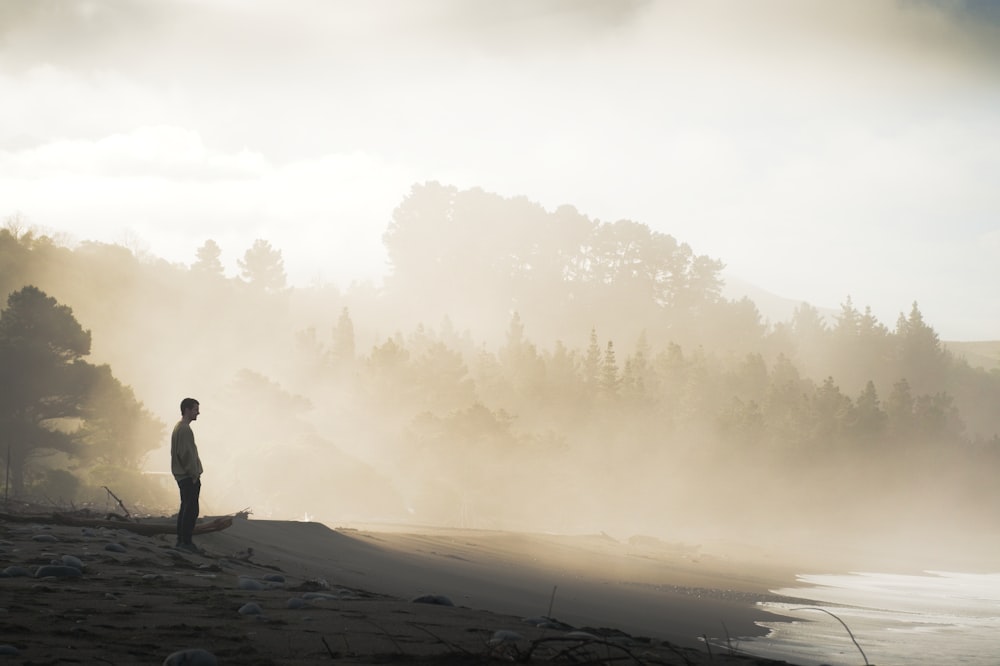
(796,142)
(820,152)
(556,374)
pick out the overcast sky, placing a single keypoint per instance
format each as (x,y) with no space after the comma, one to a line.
(820,149)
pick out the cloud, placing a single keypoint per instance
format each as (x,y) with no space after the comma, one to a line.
(794,141)
(162,187)
(165,152)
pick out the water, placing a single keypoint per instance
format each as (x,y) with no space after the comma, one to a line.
(935,618)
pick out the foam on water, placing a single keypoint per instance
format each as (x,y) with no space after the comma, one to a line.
(935,618)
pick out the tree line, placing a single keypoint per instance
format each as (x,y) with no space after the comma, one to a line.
(511,347)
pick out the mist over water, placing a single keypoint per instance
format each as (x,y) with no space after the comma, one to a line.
(932,618)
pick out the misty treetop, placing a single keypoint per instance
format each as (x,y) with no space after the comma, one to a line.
(512,347)
(477,255)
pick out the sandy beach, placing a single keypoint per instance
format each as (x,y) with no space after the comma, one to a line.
(280,592)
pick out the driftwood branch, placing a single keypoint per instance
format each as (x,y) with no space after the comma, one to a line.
(145,529)
(128,516)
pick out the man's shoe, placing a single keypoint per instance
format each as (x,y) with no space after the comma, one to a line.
(189,547)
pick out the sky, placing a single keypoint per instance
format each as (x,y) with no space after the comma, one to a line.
(819,149)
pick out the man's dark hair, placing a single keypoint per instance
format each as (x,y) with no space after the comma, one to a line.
(188,403)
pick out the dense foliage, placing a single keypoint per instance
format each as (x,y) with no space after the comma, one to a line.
(53,402)
(526,368)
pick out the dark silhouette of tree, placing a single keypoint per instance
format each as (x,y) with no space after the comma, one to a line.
(118,430)
(45,380)
(53,401)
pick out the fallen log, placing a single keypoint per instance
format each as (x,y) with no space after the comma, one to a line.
(164,526)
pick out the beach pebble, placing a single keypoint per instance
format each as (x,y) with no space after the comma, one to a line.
(296,602)
(58,571)
(543,622)
(192,657)
(436,599)
(317,584)
(15,571)
(274,578)
(88,532)
(115,547)
(505,636)
(44,538)
(245,583)
(250,609)
(71,561)
(8,651)
(583,635)
(322,596)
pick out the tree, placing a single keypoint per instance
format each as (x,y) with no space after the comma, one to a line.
(118,431)
(208,259)
(263,267)
(869,420)
(592,362)
(45,380)
(342,350)
(919,354)
(811,339)
(610,379)
(53,401)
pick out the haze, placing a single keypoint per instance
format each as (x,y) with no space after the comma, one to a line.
(819,150)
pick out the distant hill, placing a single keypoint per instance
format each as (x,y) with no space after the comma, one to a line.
(772,307)
(977,354)
(776,309)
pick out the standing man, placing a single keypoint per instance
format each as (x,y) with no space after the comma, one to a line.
(186,467)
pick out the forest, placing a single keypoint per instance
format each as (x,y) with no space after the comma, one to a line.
(518,368)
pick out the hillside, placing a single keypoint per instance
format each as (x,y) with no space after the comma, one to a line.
(982,354)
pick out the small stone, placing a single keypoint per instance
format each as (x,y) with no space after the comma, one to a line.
(296,602)
(320,596)
(115,547)
(15,571)
(71,561)
(436,599)
(245,583)
(57,571)
(250,609)
(44,538)
(8,651)
(191,657)
(505,636)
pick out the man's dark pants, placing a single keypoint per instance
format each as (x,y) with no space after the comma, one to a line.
(188,514)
